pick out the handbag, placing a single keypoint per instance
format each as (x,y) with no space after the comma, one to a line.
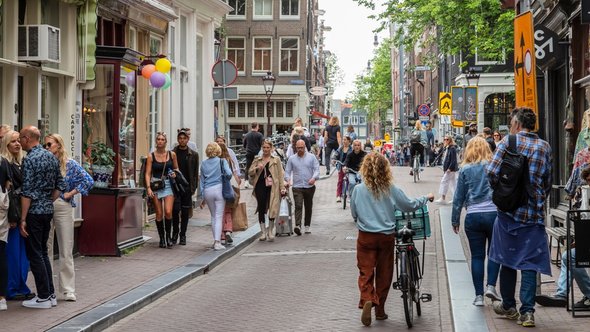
(158,184)
(267,179)
(239,218)
(226,189)
(14,207)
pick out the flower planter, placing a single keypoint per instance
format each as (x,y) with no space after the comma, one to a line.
(102,175)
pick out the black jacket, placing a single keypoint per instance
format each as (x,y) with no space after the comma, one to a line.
(450,162)
(193,166)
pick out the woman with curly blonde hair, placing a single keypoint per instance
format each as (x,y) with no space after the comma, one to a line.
(372,204)
(474,193)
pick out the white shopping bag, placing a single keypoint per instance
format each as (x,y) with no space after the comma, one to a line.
(284,210)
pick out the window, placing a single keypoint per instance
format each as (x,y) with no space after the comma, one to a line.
(239,8)
(262,54)
(289,55)
(251,106)
(260,109)
(263,9)
(235,51)
(1,30)
(183,30)
(132,39)
(241,109)
(289,107)
(49,104)
(279,109)
(362,120)
(290,8)
(231,110)
(483,59)
(346,120)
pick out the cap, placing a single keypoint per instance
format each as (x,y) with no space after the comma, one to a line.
(182,132)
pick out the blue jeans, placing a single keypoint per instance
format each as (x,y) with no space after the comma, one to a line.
(528,287)
(580,275)
(478,228)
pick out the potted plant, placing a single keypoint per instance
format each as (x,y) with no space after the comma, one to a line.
(102,163)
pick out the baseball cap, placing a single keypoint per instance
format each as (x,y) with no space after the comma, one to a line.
(182,131)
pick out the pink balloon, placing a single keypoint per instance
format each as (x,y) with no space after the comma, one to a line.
(130,78)
(157,79)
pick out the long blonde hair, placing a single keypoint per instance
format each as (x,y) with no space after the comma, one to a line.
(477,150)
(376,174)
(62,154)
(18,158)
(334,121)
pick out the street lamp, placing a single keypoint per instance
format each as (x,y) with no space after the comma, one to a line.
(472,76)
(269,85)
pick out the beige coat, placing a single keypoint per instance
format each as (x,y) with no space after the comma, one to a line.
(278,177)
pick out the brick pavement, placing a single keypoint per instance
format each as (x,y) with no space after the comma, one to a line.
(306,283)
(100,279)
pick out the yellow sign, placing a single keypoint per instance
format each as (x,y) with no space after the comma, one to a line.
(525,77)
(387,137)
(445,103)
(378,143)
(456,124)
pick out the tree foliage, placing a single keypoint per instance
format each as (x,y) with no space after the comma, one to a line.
(462,25)
(373,89)
(335,75)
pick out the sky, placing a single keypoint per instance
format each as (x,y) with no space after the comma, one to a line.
(351,39)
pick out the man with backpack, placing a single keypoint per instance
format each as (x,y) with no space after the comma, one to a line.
(520,173)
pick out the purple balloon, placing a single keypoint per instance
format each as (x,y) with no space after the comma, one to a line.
(130,78)
(158,79)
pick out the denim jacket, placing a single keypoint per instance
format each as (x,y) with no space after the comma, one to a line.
(473,187)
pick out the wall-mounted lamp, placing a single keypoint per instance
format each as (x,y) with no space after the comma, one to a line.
(472,76)
(216,49)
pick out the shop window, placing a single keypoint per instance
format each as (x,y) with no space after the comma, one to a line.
(260,110)
(49,105)
(235,51)
(497,108)
(251,109)
(262,54)
(289,55)
(239,9)
(263,9)
(290,9)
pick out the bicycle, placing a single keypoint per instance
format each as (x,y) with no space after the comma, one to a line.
(416,167)
(408,268)
(346,183)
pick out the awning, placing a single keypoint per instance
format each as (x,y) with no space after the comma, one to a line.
(318,114)
(86,22)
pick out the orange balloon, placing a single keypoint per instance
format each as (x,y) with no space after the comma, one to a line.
(147,71)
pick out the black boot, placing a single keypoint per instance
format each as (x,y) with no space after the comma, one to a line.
(183,226)
(168,224)
(175,223)
(160,226)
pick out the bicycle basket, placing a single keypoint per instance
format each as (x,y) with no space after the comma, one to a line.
(420,221)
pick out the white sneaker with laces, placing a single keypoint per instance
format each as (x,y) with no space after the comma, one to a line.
(307,231)
(70,297)
(439,201)
(218,246)
(3,305)
(38,303)
(53,300)
(492,294)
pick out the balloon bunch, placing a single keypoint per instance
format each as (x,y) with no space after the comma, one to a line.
(158,73)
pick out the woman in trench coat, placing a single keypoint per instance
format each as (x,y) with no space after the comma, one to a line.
(266,175)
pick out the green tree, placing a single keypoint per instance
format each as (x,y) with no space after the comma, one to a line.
(373,89)
(462,25)
(334,74)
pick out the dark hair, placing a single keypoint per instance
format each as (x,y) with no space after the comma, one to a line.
(254,125)
(585,173)
(526,117)
(487,130)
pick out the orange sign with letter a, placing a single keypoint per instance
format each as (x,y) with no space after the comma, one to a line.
(525,77)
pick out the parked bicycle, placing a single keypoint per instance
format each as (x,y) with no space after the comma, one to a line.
(409,270)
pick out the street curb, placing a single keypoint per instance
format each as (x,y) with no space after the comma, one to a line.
(108,313)
(466,316)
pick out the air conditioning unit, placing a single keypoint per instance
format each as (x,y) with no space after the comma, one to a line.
(39,43)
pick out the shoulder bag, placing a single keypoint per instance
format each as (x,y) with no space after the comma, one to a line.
(227,190)
(267,178)
(158,184)
(14,205)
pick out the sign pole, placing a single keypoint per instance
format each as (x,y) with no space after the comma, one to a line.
(464,120)
(225,106)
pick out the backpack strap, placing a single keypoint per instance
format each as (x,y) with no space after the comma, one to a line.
(512,143)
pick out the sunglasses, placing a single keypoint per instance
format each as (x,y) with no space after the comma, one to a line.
(496,135)
(161,133)
(47,145)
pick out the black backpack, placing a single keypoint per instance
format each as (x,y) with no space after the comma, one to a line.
(415,136)
(512,186)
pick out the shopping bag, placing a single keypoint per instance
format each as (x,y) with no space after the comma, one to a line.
(239,217)
(284,208)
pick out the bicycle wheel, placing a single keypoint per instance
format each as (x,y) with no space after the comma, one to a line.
(416,168)
(415,287)
(406,285)
(344,193)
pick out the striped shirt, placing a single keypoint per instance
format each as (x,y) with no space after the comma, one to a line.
(539,157)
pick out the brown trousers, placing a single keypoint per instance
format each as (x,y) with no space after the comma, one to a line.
(374,255)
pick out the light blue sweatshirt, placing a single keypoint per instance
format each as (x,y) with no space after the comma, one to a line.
(378,215)
(210,173)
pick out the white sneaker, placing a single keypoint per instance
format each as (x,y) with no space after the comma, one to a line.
(478,301)
(338,199)
(70,297)
(492,294)
(38,303)
(3,305)
(53,300)
(439,201)
(247,185)
(307,231)
(218,246)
